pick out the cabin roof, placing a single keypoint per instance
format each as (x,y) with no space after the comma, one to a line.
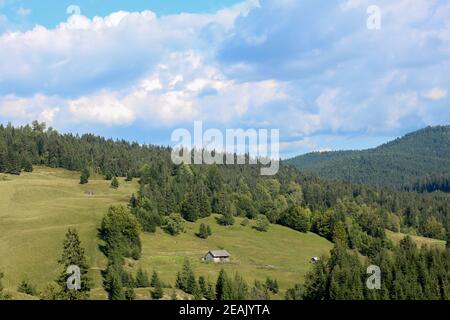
(219,253)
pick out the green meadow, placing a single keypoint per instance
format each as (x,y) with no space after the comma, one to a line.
(37,208)
(395,237)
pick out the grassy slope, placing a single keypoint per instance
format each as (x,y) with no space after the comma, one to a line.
(36,210)
(280,253)
(420,241)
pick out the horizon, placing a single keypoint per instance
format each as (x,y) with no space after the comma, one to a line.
(281,157)
(335,84)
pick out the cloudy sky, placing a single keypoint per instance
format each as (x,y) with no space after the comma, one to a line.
(140,69)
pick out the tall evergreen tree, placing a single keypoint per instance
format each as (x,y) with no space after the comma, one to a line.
(73,255)
(142,280)
(84,177)
(223,286)
(114,183)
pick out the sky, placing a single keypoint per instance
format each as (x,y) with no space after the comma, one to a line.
(315,70)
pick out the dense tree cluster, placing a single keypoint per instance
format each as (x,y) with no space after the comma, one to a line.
(120,231)
(407,273)
(431,183)
(225,287)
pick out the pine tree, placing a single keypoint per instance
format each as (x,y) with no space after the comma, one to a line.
(203,231)
(84,177)
(190,207)
(158,291)
(155,279)
(27,166)
(223,286)
(211,293)
(113,284)
(142,279)
(114,183)
(239,288)
(130,294)
(12,163)
(73,255)
(202,285)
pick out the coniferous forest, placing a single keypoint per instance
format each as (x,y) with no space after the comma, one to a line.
(354,217)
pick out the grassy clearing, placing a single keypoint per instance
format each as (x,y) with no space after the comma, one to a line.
(37,208)
(420,241)
(280,253)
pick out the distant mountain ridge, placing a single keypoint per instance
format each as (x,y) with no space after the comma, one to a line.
(398,163)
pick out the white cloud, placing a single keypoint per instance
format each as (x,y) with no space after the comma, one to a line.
(435,94)
(84,55)
(41,107)
(185,89)
(104,108)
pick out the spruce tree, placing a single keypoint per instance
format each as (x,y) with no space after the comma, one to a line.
(158,291)
(84,177)
(142,279)
(203,231)
(73,255)
(190,207)
(130,294)
(223,286)
(114,183)
(155,279)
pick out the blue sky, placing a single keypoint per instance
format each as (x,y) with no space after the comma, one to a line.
(50,13)
(313,69)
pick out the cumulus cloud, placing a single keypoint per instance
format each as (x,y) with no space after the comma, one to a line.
(311,69)
(83,55)
(175,93)
(344,77)
(40,107)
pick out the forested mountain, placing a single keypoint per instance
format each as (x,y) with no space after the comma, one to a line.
(351,215)
(398,163)
(298,200)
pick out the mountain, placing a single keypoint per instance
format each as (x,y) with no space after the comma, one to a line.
(398,163)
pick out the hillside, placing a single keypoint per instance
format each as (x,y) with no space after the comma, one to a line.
(280,253)
(37,208)
(398,163)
